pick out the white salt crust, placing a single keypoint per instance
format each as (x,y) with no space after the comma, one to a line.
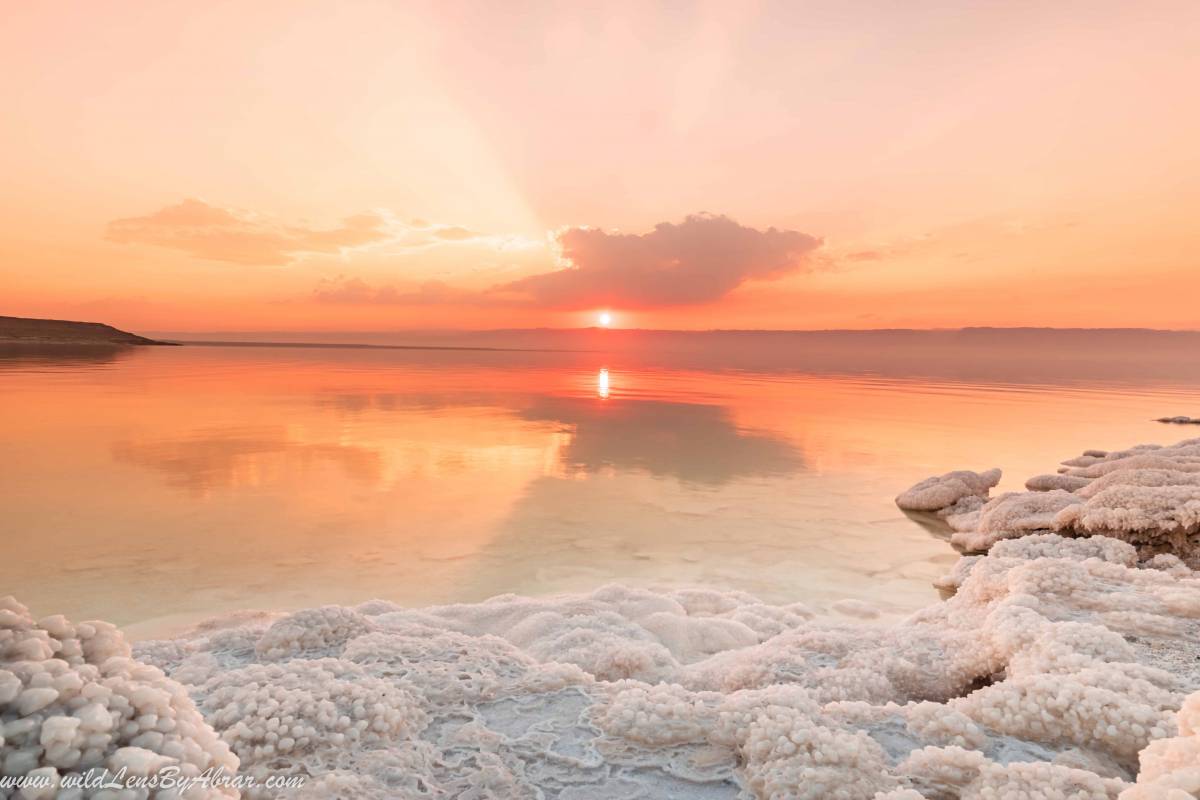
(942,491)
(73,700)
(1147,495)
(1059,667)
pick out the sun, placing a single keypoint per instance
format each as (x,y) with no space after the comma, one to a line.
(605,319)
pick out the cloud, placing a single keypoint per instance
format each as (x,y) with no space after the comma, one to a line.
(454,233)
(355,291)
(241,237)
(699,260)
(222,234)
(422,235)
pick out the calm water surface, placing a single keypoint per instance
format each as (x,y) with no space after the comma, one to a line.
(156,486)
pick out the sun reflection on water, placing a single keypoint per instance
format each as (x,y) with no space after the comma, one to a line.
(602,384)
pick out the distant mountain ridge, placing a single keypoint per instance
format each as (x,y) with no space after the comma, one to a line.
(1028,356)
(617,339)
(25,331)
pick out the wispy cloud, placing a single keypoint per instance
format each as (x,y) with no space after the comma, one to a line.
(355,291)
(225,234)
(865,255)
(218,233)
(421,235)
(454,233)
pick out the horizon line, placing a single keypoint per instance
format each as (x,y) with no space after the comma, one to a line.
(252,341)
(614,330)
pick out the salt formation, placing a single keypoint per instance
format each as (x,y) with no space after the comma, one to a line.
(943,491)
(1058,668)
(1171,767)
(1061,665)
(1147,495)
(74,703)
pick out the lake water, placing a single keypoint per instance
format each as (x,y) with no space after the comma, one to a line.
(156,486)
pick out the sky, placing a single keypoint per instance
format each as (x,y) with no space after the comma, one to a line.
(334,166)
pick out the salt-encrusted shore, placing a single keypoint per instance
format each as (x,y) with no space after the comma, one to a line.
(1147,495)
(1063,665)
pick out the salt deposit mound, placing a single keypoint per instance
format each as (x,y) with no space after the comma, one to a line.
(1058,668)
(1147,495)
(73,701)
(943,491)
(1171,767)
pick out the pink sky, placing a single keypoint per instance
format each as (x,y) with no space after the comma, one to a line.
(352,166)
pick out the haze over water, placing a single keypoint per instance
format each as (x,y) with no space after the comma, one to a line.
(156,486)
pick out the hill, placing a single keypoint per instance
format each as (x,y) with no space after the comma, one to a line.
(19,330)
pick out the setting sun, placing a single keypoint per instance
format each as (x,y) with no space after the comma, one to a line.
(605,319)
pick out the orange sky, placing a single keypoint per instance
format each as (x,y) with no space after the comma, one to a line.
(352,166)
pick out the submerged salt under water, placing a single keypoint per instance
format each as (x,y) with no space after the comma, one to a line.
(155,486)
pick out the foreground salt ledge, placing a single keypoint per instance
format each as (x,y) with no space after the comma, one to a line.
(73,700)
(1060,666)
(1055,667)
(1147,495)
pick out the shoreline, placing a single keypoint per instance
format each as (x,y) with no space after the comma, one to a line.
(1065,662)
